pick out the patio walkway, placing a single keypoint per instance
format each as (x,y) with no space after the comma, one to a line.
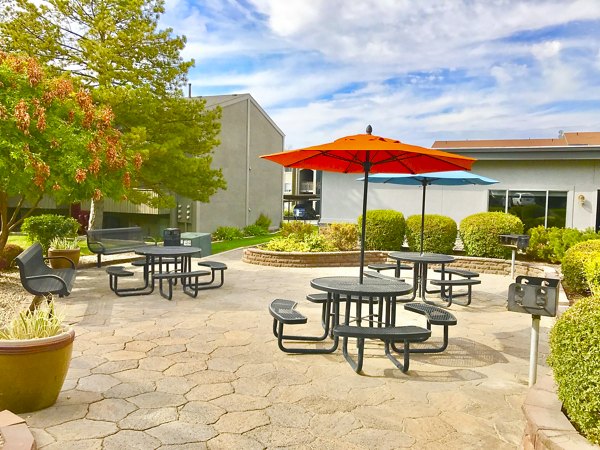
(206,373)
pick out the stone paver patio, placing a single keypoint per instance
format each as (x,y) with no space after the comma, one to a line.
(206,373)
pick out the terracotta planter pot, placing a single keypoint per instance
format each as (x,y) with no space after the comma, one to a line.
(72,254)
(33,371)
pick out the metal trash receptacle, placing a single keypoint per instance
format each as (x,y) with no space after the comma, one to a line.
(171,237)
(201,240)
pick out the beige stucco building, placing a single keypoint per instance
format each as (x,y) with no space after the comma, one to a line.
(560,175)
(254,185)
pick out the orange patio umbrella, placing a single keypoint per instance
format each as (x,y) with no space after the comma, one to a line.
(366,153)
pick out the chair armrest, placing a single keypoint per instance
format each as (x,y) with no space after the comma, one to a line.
(61,257)
(41,277)
(94,244)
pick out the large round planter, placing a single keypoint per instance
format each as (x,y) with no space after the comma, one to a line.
(72,254)
(33,371)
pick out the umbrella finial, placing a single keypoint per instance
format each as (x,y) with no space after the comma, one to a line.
(369,129)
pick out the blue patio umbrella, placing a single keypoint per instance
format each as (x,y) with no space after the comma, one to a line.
(452,178)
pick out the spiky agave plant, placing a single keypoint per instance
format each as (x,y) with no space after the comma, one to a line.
(43,322)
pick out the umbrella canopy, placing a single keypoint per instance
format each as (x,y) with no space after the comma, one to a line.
(366,153)
(454,178)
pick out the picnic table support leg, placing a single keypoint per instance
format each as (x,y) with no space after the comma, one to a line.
(402,366)
(99,262)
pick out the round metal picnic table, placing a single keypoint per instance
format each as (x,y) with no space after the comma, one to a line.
(421,262)
(383,290)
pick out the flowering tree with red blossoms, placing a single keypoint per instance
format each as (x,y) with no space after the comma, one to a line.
(54,142)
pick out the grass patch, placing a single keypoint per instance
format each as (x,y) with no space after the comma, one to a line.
(223,246)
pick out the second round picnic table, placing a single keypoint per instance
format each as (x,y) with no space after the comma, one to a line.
(420,263)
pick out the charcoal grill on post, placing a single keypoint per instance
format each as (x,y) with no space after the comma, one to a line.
(514,242)
(538,297)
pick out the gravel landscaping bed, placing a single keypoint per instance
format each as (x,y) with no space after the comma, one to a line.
(13,297)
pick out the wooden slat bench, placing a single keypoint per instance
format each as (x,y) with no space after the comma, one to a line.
(389,336)
(39,279)
(110,241)
(435,316)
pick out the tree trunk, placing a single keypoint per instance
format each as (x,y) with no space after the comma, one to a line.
(96,214)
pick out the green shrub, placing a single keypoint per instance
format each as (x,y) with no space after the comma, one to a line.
(439,235)
(263,222)
(479,233)
(298,229)
(8,255)
(550,244)
(591,271)
(385,229)
(341,236)
(310,243)
(45,227)
(255,230)
(573,263)
(227,234)
(575,361)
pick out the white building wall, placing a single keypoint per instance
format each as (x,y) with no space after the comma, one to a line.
(342,193)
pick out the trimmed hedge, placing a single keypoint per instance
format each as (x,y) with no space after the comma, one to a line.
(439,235)
(385,229)
(45,227)
(575,361)
(479,233)
(550,244)
(342,236)
(573,264)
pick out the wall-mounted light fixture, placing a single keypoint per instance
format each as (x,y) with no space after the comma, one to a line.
(581,199)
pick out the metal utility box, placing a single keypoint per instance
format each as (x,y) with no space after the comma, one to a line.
(171,237)
(201,240)
(533,295)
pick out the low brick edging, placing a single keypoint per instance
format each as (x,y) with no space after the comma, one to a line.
(546,426)
(14,433)
(254,255)
(261,257)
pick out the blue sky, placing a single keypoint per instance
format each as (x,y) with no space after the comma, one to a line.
(416,70)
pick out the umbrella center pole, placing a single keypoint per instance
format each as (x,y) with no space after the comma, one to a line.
(367,166)
(423,215)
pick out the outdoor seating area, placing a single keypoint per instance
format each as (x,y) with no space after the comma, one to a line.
(147,372)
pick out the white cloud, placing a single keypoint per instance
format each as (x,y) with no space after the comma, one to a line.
(416,70)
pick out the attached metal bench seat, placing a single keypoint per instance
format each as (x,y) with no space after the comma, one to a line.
(39,279)
(460,272)
(214,266)
(114,273)
(189,287)
(390,266)
(449,284)
(284,313)
(435,316)
(389,336)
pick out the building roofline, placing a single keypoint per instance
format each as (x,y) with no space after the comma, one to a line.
(230,99)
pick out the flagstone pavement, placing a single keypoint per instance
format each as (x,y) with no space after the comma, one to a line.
(148,373)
